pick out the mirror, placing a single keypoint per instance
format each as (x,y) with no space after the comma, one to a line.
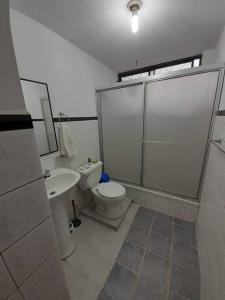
(38,104)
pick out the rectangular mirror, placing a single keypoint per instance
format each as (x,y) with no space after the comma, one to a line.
(38,104)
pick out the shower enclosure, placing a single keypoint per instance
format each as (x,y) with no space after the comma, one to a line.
(154,133)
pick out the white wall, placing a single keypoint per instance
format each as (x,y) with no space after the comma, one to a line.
(211,219)
(216,55)
(71,73)
(220,48)
(208,57)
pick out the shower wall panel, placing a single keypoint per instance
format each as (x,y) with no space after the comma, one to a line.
(122,132)
(177,118)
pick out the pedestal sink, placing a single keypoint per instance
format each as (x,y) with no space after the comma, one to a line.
(60,188)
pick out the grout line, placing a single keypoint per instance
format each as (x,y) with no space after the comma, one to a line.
(21,186)
(142,261)
(37,268)
(10,274)
(185,268)
(171,261)
(25,234)
(126,267)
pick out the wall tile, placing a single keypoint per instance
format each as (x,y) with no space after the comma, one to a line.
(7,285)
(22,210)
(191,214)
(25,256)
(19,160)
(164,203)
(86,139)
(47,282)
(176,210)
(219,128)
(16,296)
(210,227)
(48,163)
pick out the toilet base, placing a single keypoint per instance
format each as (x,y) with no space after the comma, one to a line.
(113,224)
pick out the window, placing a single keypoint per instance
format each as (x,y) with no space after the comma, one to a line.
(135,76)
(182,64)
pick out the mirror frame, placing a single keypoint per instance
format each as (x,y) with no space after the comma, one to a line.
(33,120)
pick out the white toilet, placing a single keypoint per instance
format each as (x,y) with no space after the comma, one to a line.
(108,197)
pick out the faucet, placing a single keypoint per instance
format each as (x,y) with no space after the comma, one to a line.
(47,174)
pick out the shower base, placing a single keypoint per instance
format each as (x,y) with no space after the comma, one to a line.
(113,224)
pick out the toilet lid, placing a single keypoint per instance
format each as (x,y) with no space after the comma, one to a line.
(111,189)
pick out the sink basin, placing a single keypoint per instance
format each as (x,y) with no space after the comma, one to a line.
(61,186)
(61,181)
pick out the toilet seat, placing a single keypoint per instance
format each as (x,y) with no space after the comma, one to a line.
(110,190)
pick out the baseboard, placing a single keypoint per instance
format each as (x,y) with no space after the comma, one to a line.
(175,206)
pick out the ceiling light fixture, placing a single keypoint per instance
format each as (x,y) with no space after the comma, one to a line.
(134,6)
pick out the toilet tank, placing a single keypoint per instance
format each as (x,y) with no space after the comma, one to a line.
(90,175)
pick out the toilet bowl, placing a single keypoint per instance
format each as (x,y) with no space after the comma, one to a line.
(109,198)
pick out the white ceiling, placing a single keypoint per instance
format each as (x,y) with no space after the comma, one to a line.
(169,29)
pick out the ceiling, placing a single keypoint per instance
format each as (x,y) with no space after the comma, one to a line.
(169,29)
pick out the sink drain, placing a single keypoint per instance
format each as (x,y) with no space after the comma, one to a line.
(52,193)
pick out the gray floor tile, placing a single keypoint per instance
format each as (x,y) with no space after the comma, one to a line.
(185,224)
(147,289)
(130,256)
(185,283)
(142,221)
(104,296)
(137,236)
(162,227)
(164,217)
(186,256)
(159,244)
(157,269)
(146,211)
(184,236)
(121,283)
(174,296)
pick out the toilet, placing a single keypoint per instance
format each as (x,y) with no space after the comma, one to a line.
(108,197)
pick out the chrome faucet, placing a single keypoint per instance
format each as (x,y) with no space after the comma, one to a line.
(47,174)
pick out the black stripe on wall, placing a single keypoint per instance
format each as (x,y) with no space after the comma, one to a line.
(37,120)
(15,122)
(65,119)
(221,113)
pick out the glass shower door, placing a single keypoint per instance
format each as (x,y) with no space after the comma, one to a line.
(122,132)
(177,119)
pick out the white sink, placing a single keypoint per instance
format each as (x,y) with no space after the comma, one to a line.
(61,181)
(60,188)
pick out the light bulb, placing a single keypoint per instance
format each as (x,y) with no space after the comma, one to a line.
(135,22)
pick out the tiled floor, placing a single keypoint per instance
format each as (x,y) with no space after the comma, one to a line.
(158,261)
(96,249)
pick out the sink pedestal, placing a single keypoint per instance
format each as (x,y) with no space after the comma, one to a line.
(62,220)
(61,186)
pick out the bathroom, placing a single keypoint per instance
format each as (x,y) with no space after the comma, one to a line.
(109,191)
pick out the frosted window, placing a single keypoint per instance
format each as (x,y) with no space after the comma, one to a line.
(173,68)
(135,76)
(196,62)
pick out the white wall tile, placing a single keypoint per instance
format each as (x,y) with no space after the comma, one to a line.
(164,203)
(47,282)
(210,227)
(191,214)
(86,139)
(7,285)
(19,159)
(219,128)
(25,256)
(22,210)
(16,296)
